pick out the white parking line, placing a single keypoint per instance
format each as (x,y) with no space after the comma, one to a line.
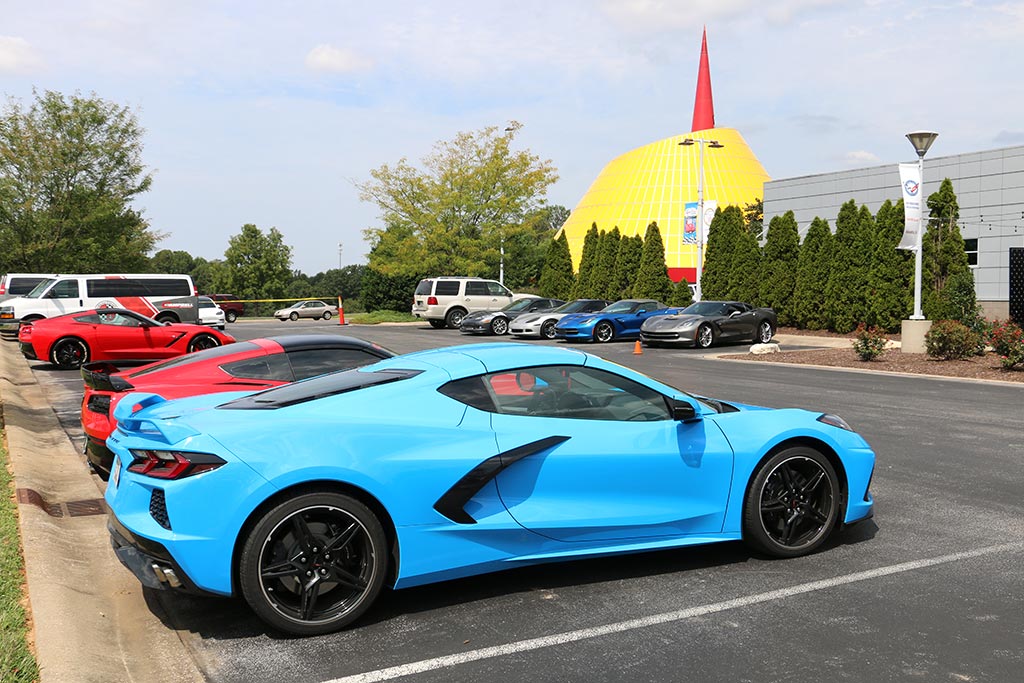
(425,665)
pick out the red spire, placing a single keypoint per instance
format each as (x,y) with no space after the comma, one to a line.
(703,106)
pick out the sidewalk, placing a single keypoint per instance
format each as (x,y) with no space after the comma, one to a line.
(91,620)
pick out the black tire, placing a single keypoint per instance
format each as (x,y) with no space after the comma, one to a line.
(293,316)
(202,341)
(230,316)
(604,332)
(454,318)
(547,330)
(165,318)
(705,336)
(327,315)
(314,563)
(764,332)
(792,503)
(499,325)
(437,324)
(220,327)
(69,353)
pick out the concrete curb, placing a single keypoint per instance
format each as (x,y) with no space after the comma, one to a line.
(91,618)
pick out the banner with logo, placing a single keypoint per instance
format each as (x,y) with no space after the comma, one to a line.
(910,179)
(710,207)
(690,223)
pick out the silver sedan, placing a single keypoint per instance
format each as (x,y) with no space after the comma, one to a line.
(306,309)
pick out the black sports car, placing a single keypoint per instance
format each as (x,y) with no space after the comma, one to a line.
(708,322)
(497,322)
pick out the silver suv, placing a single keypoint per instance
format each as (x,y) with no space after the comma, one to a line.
(445,301)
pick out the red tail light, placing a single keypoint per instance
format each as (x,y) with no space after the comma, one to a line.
(172,464)
(431,300)
(3,289)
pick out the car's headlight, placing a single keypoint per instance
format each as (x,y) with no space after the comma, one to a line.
(835,421)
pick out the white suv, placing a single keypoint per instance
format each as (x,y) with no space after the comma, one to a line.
(445,301)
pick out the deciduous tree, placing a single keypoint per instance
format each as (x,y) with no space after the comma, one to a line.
(257,265)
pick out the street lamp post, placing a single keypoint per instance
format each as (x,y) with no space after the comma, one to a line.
(921,140)
(713,144)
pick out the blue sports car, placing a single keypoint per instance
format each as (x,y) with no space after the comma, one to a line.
(620,320)
(308,498)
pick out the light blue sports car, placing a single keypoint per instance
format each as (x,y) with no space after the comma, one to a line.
(308,498)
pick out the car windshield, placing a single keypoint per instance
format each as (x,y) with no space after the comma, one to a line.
(620,307)
(38,290)
(573,306)
(520,305)
(705,308)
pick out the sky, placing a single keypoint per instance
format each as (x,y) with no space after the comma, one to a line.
(271,112)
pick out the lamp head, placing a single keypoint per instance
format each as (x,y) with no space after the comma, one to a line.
(688,142)
(715,144)
(922,140)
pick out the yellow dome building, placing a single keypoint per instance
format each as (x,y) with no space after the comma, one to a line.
(657,181)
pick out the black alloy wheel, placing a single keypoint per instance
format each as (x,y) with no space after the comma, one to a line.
(604,332)
(230,316)
(547,330)
(705,336)
(764,332)
(499,325)
(454,318)
(69,353)
(202,341)
(792,504)
(314,564)
(293,316)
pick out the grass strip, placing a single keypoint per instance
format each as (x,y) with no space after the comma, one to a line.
(380,317)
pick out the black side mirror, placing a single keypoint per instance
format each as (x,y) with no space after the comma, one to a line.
(683,411)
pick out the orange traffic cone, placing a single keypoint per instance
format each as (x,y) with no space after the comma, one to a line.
(341,311)
(638,348)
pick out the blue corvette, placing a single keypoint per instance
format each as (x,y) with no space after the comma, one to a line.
(308,498)
(620,320)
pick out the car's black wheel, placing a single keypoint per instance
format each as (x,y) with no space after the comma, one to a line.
(230,316)
(547,330)
(764,332)
(220,327)
(327,315)
(705,336)
(499,325)
(202,341)
(69,353)
(792,503)
(437,324)
(165,318)
(454,318)
(314,563)
(604,332)
(293,316)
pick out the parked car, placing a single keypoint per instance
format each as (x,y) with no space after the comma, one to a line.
(20,284)
(306,309)
(620,320)
(250,365)
(497,322)
(210,313)
(67,341)
(542,324)
(459,461)
(229,303)
(445,301)
(708,322)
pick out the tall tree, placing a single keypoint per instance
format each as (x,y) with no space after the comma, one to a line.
(812,274)
(451,216)
(747,267)
(942,254)
(851,265)
(681,294)
(602,280)
(557,279)
(652,281)
(627,263)
(718,257)
(753,217)
(891,279)
(345,282)
(588,260)
(781,253)
(69,169)
(257,265)
(174,262)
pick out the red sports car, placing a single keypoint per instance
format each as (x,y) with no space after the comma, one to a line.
(246,365)
(69,340)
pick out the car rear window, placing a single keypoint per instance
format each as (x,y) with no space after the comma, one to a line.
(424,287)
(317,387)
(23,285)
(188,359)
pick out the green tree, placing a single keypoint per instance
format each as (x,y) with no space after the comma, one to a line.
(746,273)
(891,279)
(781,254)
(627,264)
(451,216)
(847,290)
(812,274)
(681,294)
(346,282)
(942,253)
(206,273)
(70,168)
(257,265)
(753,217)
(588,261)
(557,279)
(652,281)
(602,281)
(723,234)
(382,292)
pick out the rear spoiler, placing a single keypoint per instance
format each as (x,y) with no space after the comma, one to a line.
(99,375)
(167,430)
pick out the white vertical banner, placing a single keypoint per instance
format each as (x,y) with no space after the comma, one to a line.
(910,179)
(710,206)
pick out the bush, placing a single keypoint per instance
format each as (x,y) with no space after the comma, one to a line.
(950,340)
(1007,340)
(869,342)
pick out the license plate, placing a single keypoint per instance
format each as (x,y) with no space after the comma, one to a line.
(115,472)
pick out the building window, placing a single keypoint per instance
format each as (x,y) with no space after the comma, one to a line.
(971,247)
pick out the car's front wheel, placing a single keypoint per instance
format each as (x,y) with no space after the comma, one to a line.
(69,353)
(202,341)
(705,336)
(604,332)
(499,326)
(792,503)
(314,563)
(547,330)
(293,316)
(764,332)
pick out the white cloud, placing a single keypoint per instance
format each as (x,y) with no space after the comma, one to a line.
(861,157)
(17,55)
(336,60)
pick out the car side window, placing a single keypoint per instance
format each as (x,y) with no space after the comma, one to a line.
(496,289)
(65,289)
(119,320)
(476,288)
(447,288)
(273,367)
(313,362)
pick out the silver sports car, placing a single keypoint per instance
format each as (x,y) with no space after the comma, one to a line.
(542,324)
(709,322)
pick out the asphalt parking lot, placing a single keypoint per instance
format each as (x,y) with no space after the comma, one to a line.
(932,589)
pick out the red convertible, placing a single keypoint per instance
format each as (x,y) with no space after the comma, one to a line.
(69,340)
(243,366)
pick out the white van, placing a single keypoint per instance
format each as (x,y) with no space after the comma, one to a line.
(20,284)
(167,298)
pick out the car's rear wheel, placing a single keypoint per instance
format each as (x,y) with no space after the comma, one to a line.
(604,332)
(293,316)
(165,318)
(547,330)
(327,315)
(437,324)
(792,503)
(202,341)
(454,318)
(314,563)
(499,325)
(69,353)
(764,332)
(230,316)
(705,336)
